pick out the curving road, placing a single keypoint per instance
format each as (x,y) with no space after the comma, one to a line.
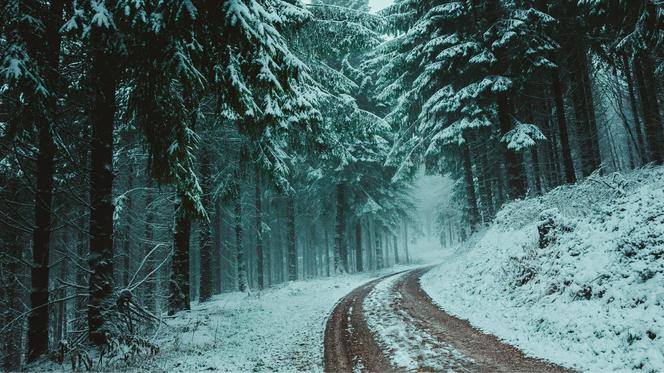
(350,346)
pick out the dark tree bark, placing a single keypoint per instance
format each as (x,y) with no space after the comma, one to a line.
(650,107)
(216,258)
(10,289)
(102,115)
(340,241)
(239,245)
(516,183)
(259,231)
(378,247)
(179,282)
(292,248)
(405,233)
(205,236)
(126,244)
(537,175)
(49,58)
(395,246)
(358,246)
(570,175)
(584,117)
(471,199)
(486,189)
(148,245)
(635,109)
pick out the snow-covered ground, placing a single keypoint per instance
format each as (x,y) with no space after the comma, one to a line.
(593,299)
(280,329)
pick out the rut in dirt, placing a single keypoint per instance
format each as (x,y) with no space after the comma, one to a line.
(351,346)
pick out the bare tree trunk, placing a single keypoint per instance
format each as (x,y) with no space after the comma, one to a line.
(205,236)
(471,199)
(570,175)
(340,241)
(38,319)
(635,110)
(102,116)
(179,281)
(239,245)
(148,245)
(259,231)
(650,107)
(358,246)
(292,248)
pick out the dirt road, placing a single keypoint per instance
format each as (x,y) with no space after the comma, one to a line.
(351,346)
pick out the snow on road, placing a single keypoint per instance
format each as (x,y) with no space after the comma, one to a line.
(408,347)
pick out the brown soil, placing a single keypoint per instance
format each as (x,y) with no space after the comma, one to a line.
(350,346)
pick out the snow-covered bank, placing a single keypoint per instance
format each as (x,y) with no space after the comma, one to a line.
(593,299)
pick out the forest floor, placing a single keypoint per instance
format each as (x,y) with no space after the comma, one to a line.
(278,329)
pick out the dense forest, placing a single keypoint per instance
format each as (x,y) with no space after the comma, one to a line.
(155,153)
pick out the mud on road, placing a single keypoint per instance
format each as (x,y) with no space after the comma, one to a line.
(350,345)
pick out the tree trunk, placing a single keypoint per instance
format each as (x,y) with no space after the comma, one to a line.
(149,291)
(379,248)
(471,199)
(205,235)
(358,246)
(292,248)
(259,231)
(11,286)
(216,259)
(570,175)
(126,249)
(650,108)
(102,115)
(405,232)
(396,249)
(537,176)
(635,110)
(584,118)
(39,295)
(179,281)
(340,241)
(485,189)
(239,246)
(516,183)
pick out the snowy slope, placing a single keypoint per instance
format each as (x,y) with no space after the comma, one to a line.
(593,299)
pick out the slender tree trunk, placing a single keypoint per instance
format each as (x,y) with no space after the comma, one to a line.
(216,258)
(516,183)
(11,286)
(471,199)
(205,235)
(396,249)
(340,241)
(570,175)
(485,188)
(292,248)
(179,282)
(635,110)
(239,246)
(38,319)
(126,249)
(148,245)
(358,246)
(259,231)
(650,108)
(378,247)
(537,175)
(405,232)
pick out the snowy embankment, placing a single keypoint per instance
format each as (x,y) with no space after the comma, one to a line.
(591,299)
(280,329)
